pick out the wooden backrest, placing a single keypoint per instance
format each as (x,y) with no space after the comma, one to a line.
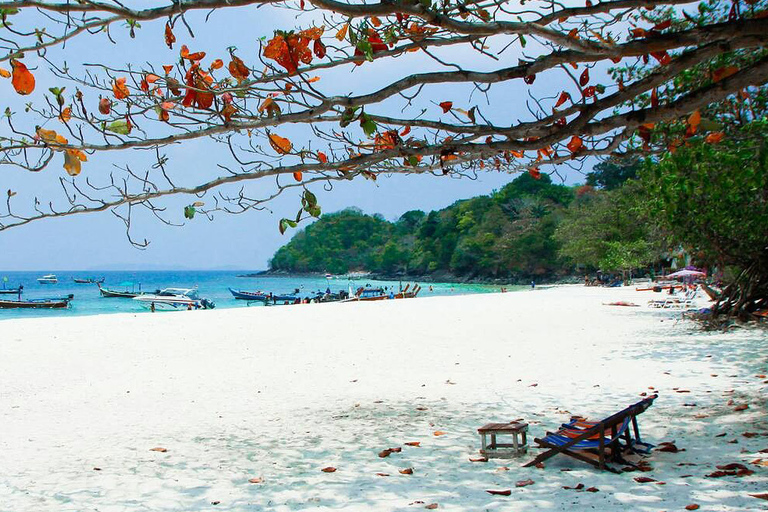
(633,410)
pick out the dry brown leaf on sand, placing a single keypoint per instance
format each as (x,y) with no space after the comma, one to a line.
(406,471)
(505,492)
(329,469)
(256,480)
(432,506)
(692,506)
(159,449)
(523,483)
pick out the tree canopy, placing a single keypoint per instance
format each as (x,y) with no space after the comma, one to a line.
(594,78)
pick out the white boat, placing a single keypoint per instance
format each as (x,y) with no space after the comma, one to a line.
(49,279)
(174,299)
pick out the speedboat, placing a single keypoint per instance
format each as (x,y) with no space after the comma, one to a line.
(174,299)
(49,279)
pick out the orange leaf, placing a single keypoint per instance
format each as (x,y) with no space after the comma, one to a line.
(5,73)
(405,131)
(267,103)
(714,138)
(167,69)
(535,173)
(169,37)
(694,120)
(413,443)
(575,144)
(329,469)
(238,69)
(256,480)
(50,136)
(654,98)
(280,144)
(297,176)
(446,106)
(321,156)
(152,78)
(23,81)
(191,56)
(72,159)
(524,483)
(159,449)
(66,115)
(724,72)
(342,33)
(505,492)
(439,433)
(217,64)
(406,471)
(313,79)
(564,96)
(376,22)
(120,89)
(692,506)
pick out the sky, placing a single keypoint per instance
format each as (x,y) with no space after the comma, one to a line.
(246,241)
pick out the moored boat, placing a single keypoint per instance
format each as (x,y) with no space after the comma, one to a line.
(174,299)
(48,279)
(262,296)
(88,280)
(59,303)
(120,294)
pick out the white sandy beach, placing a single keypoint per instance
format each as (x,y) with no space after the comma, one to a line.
(280,393)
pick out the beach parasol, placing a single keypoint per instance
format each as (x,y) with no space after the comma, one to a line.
(687,273)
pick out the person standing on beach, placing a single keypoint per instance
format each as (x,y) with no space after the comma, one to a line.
(533,284)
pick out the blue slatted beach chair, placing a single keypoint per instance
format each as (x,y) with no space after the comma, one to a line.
(583,440)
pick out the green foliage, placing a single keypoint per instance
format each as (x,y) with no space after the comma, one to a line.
(614,172)
(608,230)
(713,198)
(506,235)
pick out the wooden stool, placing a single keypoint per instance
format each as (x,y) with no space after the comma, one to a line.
(518,447)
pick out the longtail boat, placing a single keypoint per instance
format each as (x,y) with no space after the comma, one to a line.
(59,303)
(88,280)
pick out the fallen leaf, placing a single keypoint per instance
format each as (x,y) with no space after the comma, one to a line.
(406,471)
(413,443)
(329,469)
(505,492)
(478,459)
(439,433)
(524,483)
(382,474)
(692,506)
(385,453)
(644,479)
(667,447)
(159,449)
(577,487)
(742,407)
(593,489)
(256,480)
(763,496)
(432,506)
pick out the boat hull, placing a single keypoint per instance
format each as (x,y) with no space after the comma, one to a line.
(10,291)
(61,303)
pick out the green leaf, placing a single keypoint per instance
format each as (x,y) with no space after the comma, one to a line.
(120,127)
(367,124)
(285,224)
(189,212)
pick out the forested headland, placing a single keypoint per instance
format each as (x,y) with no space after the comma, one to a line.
(531,228)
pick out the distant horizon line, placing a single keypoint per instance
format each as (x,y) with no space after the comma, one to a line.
(139,270)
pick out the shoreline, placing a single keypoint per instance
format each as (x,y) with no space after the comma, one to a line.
(280,393)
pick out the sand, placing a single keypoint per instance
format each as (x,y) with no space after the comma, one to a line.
(280,393)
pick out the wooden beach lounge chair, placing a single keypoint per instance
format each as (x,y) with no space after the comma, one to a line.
(590,441)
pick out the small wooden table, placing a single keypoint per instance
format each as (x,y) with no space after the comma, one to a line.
(495,449)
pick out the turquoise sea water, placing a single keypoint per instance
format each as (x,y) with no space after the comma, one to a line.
(210,284)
